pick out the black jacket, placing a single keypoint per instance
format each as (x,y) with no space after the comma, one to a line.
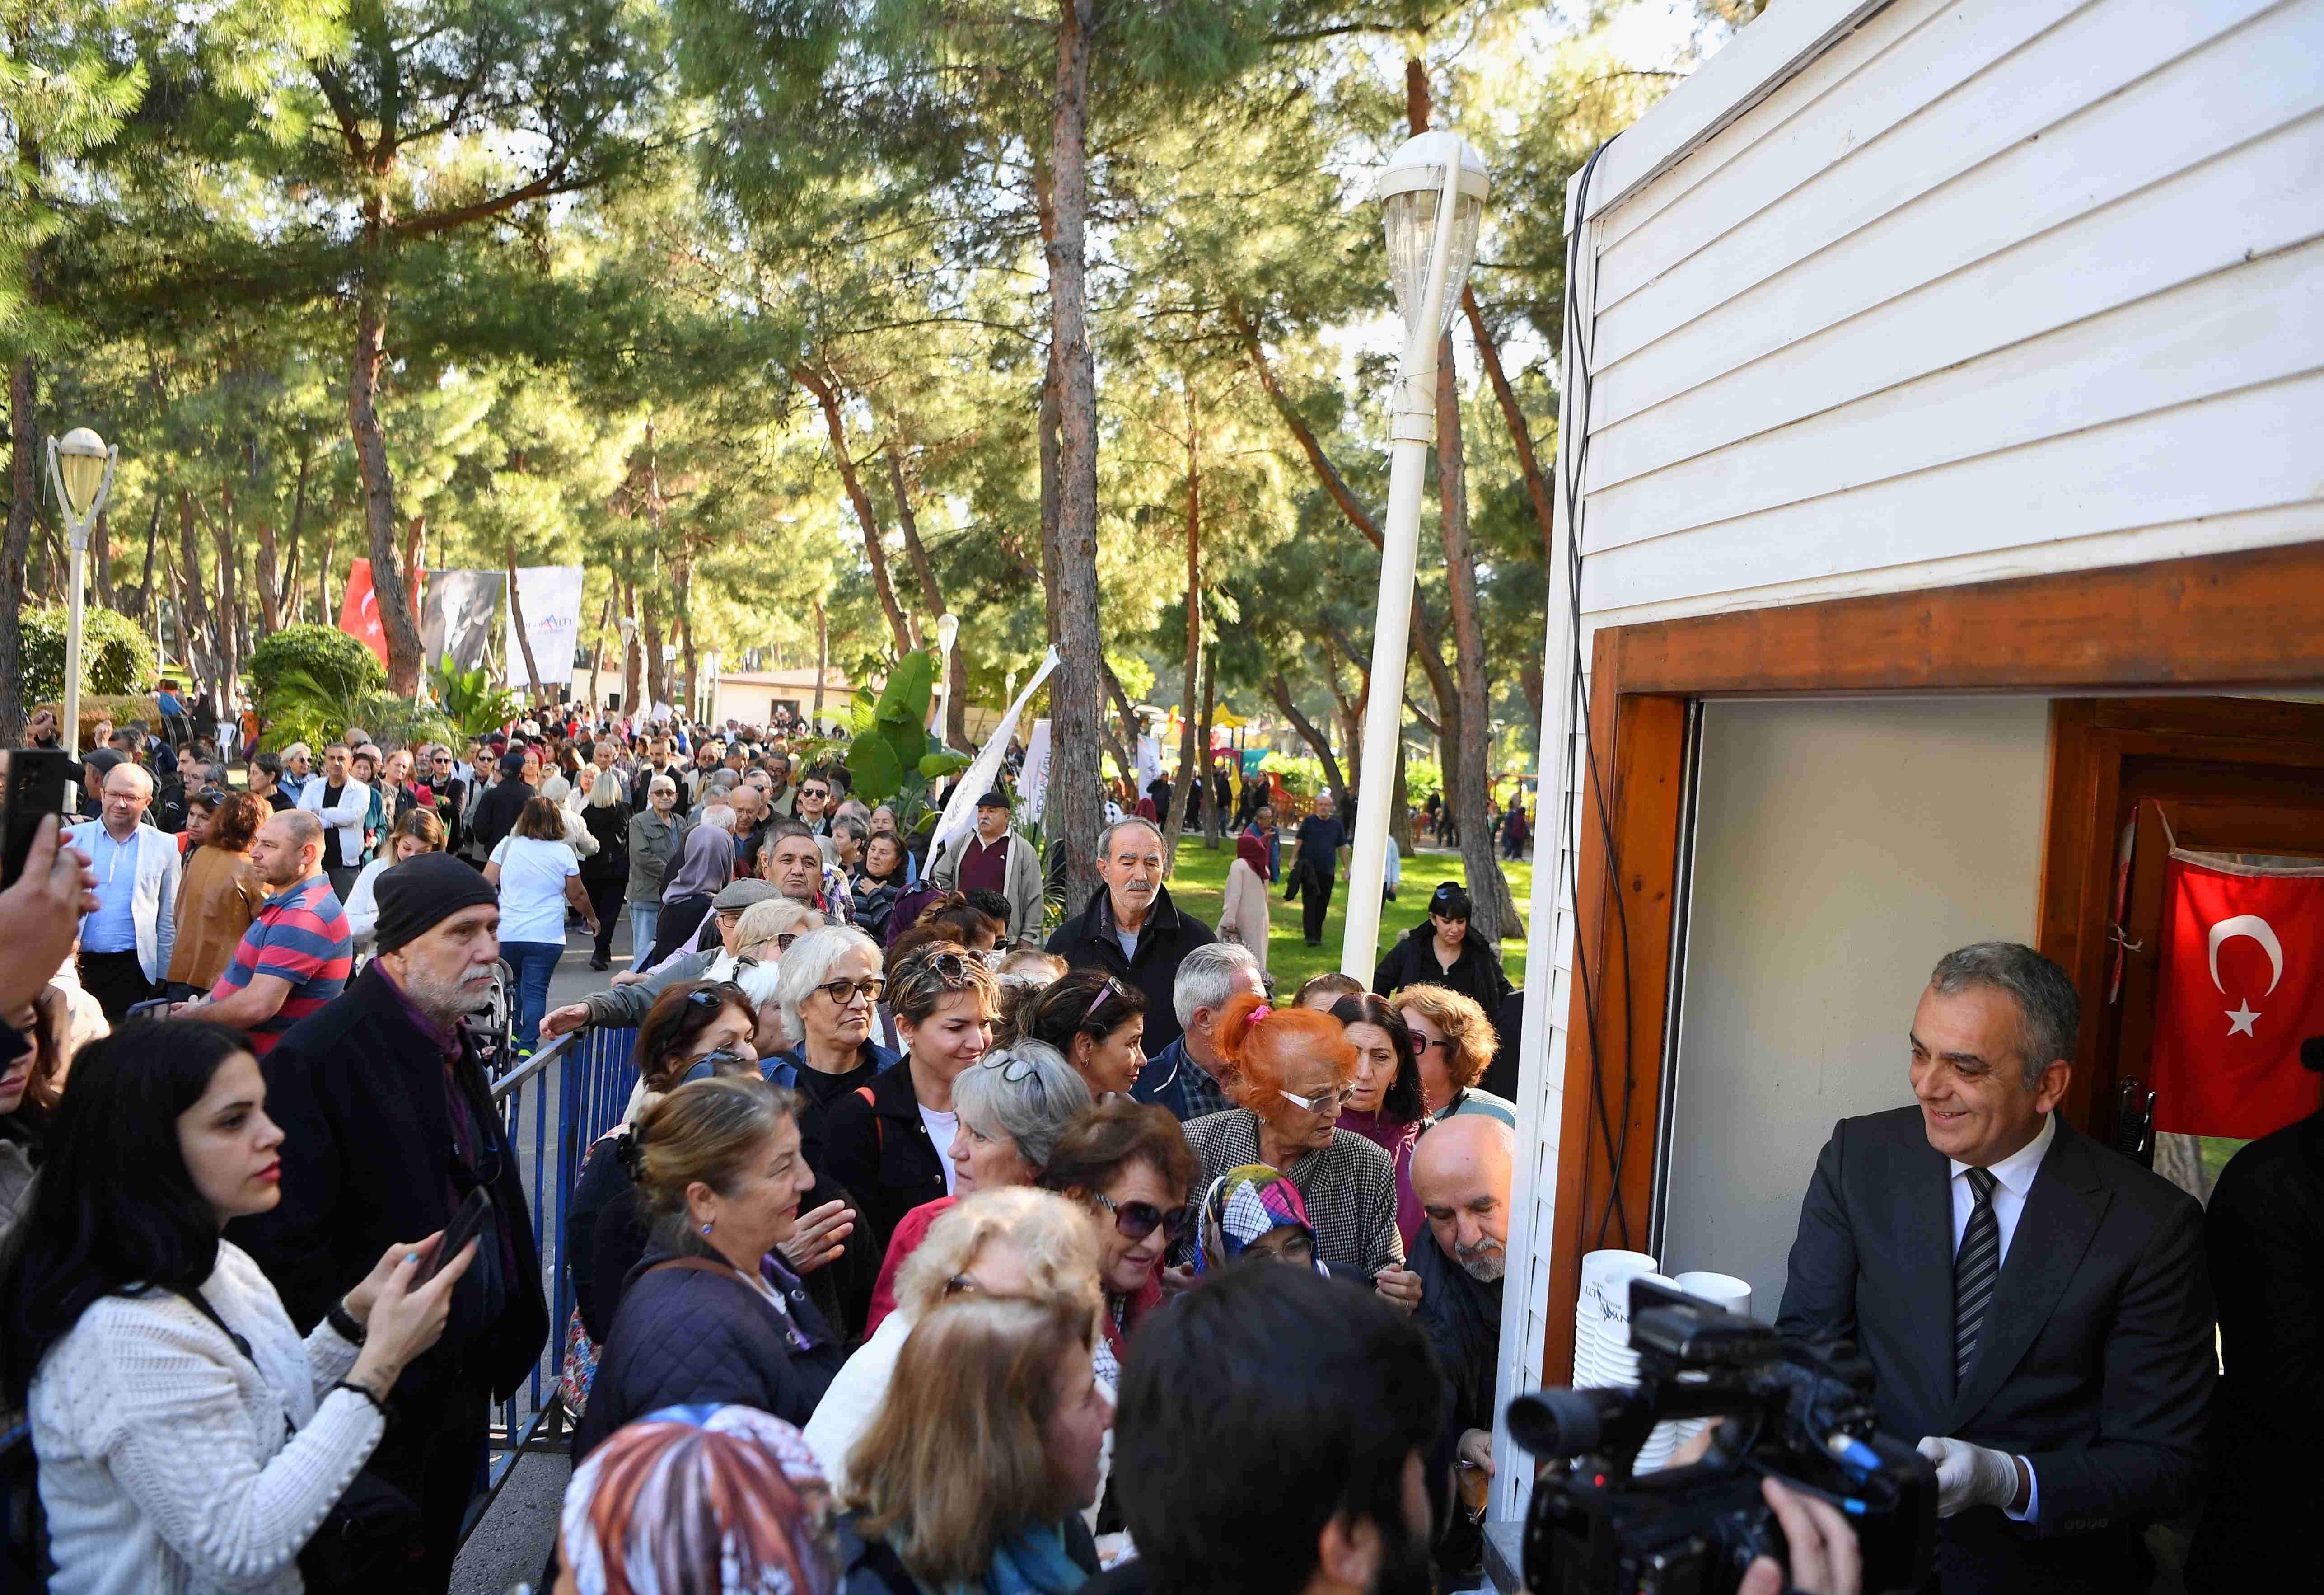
(2264,1232)
(1088,940)
(683,1335)
(611,827)
(1412,961)
(497,813)
(367,1161)
(1462,1317)
(881,1152)
(868,1567)
(2095,1363)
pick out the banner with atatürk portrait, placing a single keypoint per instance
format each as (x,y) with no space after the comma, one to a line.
(456,621)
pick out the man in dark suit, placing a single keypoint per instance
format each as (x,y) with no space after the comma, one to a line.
(2034,1306)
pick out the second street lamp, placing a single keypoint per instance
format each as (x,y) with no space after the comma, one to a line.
(80,470)
(1432,200)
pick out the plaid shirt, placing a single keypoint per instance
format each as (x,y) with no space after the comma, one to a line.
(1180,1084)
(1349,1189)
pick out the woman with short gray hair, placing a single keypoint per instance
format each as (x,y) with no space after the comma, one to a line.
(827,986)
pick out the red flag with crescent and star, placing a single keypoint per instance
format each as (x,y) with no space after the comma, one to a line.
(359,611)
(2242,983)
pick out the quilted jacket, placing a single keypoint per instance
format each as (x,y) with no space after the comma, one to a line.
(686,1335)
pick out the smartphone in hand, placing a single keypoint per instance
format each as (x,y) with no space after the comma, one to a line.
(38,781)
(463,1228)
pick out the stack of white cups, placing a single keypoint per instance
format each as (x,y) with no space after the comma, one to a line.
(1723,1290)
(1602,1354)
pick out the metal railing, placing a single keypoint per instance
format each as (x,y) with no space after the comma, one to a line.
(554,1106)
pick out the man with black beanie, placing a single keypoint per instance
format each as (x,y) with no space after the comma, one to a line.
(388,1124)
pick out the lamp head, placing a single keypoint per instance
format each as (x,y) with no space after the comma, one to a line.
(628,627)
(1407,189)
(81,461)
(947,628)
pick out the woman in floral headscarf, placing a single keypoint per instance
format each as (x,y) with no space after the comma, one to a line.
(693,1500)
(1255,1210)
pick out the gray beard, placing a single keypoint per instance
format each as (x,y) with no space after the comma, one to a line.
(1487,1266)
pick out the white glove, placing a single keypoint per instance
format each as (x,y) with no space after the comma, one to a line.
(1970,1475)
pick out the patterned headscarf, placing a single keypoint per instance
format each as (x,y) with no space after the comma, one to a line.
(701,1500)
(1243,1205)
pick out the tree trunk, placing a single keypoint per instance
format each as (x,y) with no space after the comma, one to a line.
(1520,434)
(827,395)
(1332,777)
(23,491)
(682,620)
(1075,798)
(956,726)
(516,624)
(297,527)
(330,614)
(1399,816)
(2179,1160)
(100,560)
(1190,768)
(267,572)
(597,658)
(650,631)
(149,608)
(229,658)
(822,660)
(1496,911)
(193,614)
(397,623)
(1352,714)
(629,655)
(1052,453)
(1213,819)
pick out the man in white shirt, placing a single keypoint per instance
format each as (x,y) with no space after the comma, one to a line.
(126,942)
(343,804)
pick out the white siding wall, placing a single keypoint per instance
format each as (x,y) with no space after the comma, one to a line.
(1906,294)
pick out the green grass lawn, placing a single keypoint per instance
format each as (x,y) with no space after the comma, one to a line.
(1198,885)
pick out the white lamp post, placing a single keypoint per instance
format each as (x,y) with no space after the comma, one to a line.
(628,627)
(947,628)
(80,470)
(1431,246)
(707,693)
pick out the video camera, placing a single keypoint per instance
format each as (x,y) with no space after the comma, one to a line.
(1802,1414)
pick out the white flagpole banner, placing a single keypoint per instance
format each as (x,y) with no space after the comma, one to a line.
(960,814)
(1033,778)
(456,620)
(550,597)
(1149,767)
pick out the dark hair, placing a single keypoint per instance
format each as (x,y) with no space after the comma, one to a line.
(542,820)
(2049,1010)
(1329,980)
(235,821)
(781,829)
(1106,1137)
(114,1206)
(1451,901)
(903,856)
(1069,1007)
(994,905)
(271,763)
(676,1021)
(918,936)
(1405,1103)
(1258,1409)
(964,915)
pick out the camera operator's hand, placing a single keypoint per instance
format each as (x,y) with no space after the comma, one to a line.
(1971,1475)
(41,915)
(1476,1449)
(1821,1545)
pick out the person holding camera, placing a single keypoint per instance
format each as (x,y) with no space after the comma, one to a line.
(186,1436)
(2034,1307)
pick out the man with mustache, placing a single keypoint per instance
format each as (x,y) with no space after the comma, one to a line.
(1461,1172)
(1131,929)
(388,1123)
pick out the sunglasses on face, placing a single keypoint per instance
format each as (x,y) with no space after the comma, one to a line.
(1330,1102)
(1138,1219)
(813,792)
(843,993)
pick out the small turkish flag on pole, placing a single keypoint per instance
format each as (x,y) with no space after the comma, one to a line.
(359,610)
(2242,983)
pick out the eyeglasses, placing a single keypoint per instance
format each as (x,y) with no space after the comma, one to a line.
(813,792)
(1013,1069)
(843,993)
(783,940)
(1330,1102)
(1112,987)
(1138,1219)
(210,796)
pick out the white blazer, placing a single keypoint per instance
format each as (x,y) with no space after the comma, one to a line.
(355,808)
(154,908)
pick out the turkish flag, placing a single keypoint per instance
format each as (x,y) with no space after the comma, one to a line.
(2242,983)
(359,611)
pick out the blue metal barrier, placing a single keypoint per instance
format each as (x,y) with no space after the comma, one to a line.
(554,1106)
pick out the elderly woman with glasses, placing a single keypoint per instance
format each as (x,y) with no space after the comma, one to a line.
(1012,1106)
(890,1143)
(1130,1164)
(828,985)
(1297,1071)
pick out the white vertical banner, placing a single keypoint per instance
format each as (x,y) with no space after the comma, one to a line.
(1033,778)
(1149,767)
(550,597)
(979,778)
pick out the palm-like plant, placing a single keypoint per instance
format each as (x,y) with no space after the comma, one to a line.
(469,701)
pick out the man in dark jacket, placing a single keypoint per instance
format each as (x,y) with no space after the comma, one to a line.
(388,1125)
(1461,1172)
(1131,928)
(498,810)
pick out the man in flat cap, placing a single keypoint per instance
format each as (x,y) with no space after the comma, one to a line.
(388,1124)
(995,858)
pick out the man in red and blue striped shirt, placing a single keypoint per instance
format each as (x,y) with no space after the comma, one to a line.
(298,951)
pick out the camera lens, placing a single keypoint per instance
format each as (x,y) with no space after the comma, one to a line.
(1556,1423)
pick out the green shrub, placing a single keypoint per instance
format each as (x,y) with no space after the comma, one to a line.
(325,656)
(115,656)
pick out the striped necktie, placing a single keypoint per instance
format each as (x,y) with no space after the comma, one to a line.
(1976,1267)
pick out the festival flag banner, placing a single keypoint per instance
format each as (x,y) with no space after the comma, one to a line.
(359,611)
(984,773)
(550,597)
(456,620)
(1033,778)
(2242,983)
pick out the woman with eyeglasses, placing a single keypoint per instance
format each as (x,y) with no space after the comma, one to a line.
(419,831)
(220,893)
(1387,1107)
(1130,1164)
(828,985)
(1297,1069)
(1012,1106)
(889,1142)
(1454,1043)
(1010,1242)
(1097,1022)
(711,1314)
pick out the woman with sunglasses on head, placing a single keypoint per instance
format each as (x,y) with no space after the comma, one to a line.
(1297,1071)
(711,1314)
(1388,1107)
(219,892)
(889,1142)
(1130,1164)
(188,1437)
(1097,1020)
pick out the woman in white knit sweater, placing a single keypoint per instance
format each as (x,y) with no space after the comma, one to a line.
(188,1440)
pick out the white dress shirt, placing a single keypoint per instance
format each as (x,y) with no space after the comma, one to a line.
(2013,1182)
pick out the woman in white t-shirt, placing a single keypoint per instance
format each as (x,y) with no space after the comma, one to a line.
(537,875)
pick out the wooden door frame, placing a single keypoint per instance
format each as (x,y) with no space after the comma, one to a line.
(2251,620)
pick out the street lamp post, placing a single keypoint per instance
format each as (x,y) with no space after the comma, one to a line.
(1431,245)
(80,470)
(947,628)
(706,695)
